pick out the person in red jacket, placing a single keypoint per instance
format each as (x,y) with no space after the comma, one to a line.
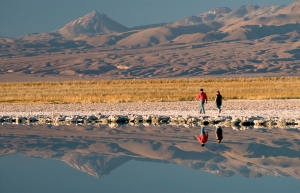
(203,137)
(203,98)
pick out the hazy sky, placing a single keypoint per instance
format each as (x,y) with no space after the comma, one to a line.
(19,17)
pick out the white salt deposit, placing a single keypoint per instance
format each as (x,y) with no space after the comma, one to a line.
(263,108)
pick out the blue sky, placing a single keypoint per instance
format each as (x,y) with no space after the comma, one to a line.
(20,17)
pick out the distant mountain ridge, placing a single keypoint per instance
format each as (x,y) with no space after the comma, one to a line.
(99,23)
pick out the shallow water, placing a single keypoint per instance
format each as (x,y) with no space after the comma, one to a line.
(48,158)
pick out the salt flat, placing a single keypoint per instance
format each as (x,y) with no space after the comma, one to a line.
(288,108)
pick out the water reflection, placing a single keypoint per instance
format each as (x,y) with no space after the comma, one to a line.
(99,149)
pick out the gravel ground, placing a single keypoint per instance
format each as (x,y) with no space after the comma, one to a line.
(289,108)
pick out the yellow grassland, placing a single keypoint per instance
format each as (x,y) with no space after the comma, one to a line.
(148,90)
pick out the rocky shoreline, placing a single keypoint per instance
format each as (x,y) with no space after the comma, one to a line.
(235,113)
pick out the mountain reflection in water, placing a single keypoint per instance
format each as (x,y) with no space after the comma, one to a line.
(97,150)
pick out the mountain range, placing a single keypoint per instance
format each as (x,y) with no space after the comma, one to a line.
(221,19)
(246,40)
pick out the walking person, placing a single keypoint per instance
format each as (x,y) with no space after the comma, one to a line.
(218,101)
(219,134)
(201,96)
(203,137)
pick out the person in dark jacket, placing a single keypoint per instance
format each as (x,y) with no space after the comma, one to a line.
(218,101)
(219,134)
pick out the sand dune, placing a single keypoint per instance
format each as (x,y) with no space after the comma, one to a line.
(102,40)
(160,35)
(272,55)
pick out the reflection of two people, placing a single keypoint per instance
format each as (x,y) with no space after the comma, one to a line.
(203,137)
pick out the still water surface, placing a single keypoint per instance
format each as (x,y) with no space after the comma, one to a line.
(147,159)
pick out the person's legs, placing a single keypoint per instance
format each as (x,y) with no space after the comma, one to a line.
(202,107)
(219,107)
(202,131)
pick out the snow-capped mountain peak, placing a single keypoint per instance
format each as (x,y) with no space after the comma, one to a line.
(92,23)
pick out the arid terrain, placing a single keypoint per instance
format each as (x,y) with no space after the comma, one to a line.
(97,150)
(248,41)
